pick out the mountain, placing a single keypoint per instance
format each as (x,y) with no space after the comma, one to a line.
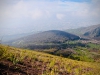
(90,31)
(51,36)
(78,31)
(9,37)
(95,33)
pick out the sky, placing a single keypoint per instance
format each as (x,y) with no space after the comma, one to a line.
(23,16)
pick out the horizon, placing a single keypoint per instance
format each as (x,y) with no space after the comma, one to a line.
(24,16)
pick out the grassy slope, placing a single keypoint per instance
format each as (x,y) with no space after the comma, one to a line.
(27,62)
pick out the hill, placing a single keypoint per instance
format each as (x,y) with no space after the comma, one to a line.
(9,37)
(90,31)
(44,38)
(26,62)
(93,33)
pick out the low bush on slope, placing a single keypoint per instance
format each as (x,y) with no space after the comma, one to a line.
(26,62)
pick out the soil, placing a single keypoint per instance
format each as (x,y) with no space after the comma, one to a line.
(26,68)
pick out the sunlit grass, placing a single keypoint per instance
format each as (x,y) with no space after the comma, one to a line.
(55,65)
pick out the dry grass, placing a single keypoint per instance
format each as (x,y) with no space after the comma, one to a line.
(27,62)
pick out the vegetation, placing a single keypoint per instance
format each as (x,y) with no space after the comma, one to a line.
(27,62)
(76,50)
(73,55)
(94,46)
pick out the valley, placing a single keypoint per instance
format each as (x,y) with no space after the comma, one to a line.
(43,52)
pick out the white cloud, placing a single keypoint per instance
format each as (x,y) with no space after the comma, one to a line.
(60,16)
(36,9)
(95,8)
(19,10)
(36,14)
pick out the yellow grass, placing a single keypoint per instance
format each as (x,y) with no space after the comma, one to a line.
(56,63)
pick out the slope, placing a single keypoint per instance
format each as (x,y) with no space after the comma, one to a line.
(93,33)
(52,36)
(27,62)
(90,31)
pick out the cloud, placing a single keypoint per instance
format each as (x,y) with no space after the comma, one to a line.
(48,14)
(95,8)
(36,14)
(60,16)
(37,9)
(23,9)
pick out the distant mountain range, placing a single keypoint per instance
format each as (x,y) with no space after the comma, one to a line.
(8,37)
(54,37)
(88,32)
(51,36)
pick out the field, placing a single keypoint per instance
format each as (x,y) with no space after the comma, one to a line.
(15,61)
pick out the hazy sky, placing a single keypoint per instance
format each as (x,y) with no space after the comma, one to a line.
(18,16)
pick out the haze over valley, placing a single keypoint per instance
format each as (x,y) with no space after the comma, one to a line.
(22,16)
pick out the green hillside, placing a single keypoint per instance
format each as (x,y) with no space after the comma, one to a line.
(27,62)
